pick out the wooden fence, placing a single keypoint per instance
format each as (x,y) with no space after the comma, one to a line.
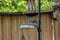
(57,26)
(10,30)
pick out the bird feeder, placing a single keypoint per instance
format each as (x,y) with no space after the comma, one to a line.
(31,24)
(27,26)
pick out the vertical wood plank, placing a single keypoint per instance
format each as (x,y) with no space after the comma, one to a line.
(0,27)
(57,26)
(6,28)
(49,27)
(56,29)
(25,31)
(43,22)
(18,25)
(33,32)
(14,27)
(19,33)
(46,27)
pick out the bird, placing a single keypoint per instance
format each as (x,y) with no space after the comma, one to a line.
(31,20)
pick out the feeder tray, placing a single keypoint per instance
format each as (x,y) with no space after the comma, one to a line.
(27,26)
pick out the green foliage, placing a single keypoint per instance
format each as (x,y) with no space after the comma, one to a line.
(45,5)
(12,6)
(20,5)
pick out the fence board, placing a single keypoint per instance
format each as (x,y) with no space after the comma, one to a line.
(46,27)
(25,32)
(57,26)
(14,27)
(43,27)
(18,27)
(6,28)
(0,27)
(49,27)
(33,32)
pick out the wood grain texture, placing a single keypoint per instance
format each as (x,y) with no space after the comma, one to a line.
(0,27)
(57,26)
(6,28)
(46,27)
(18,28)
(14,27)
(10,28)
(43,22)
(25,31)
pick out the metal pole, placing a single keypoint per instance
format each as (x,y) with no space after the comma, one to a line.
(39,19)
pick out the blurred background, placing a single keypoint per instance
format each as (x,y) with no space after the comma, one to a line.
(20,5)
